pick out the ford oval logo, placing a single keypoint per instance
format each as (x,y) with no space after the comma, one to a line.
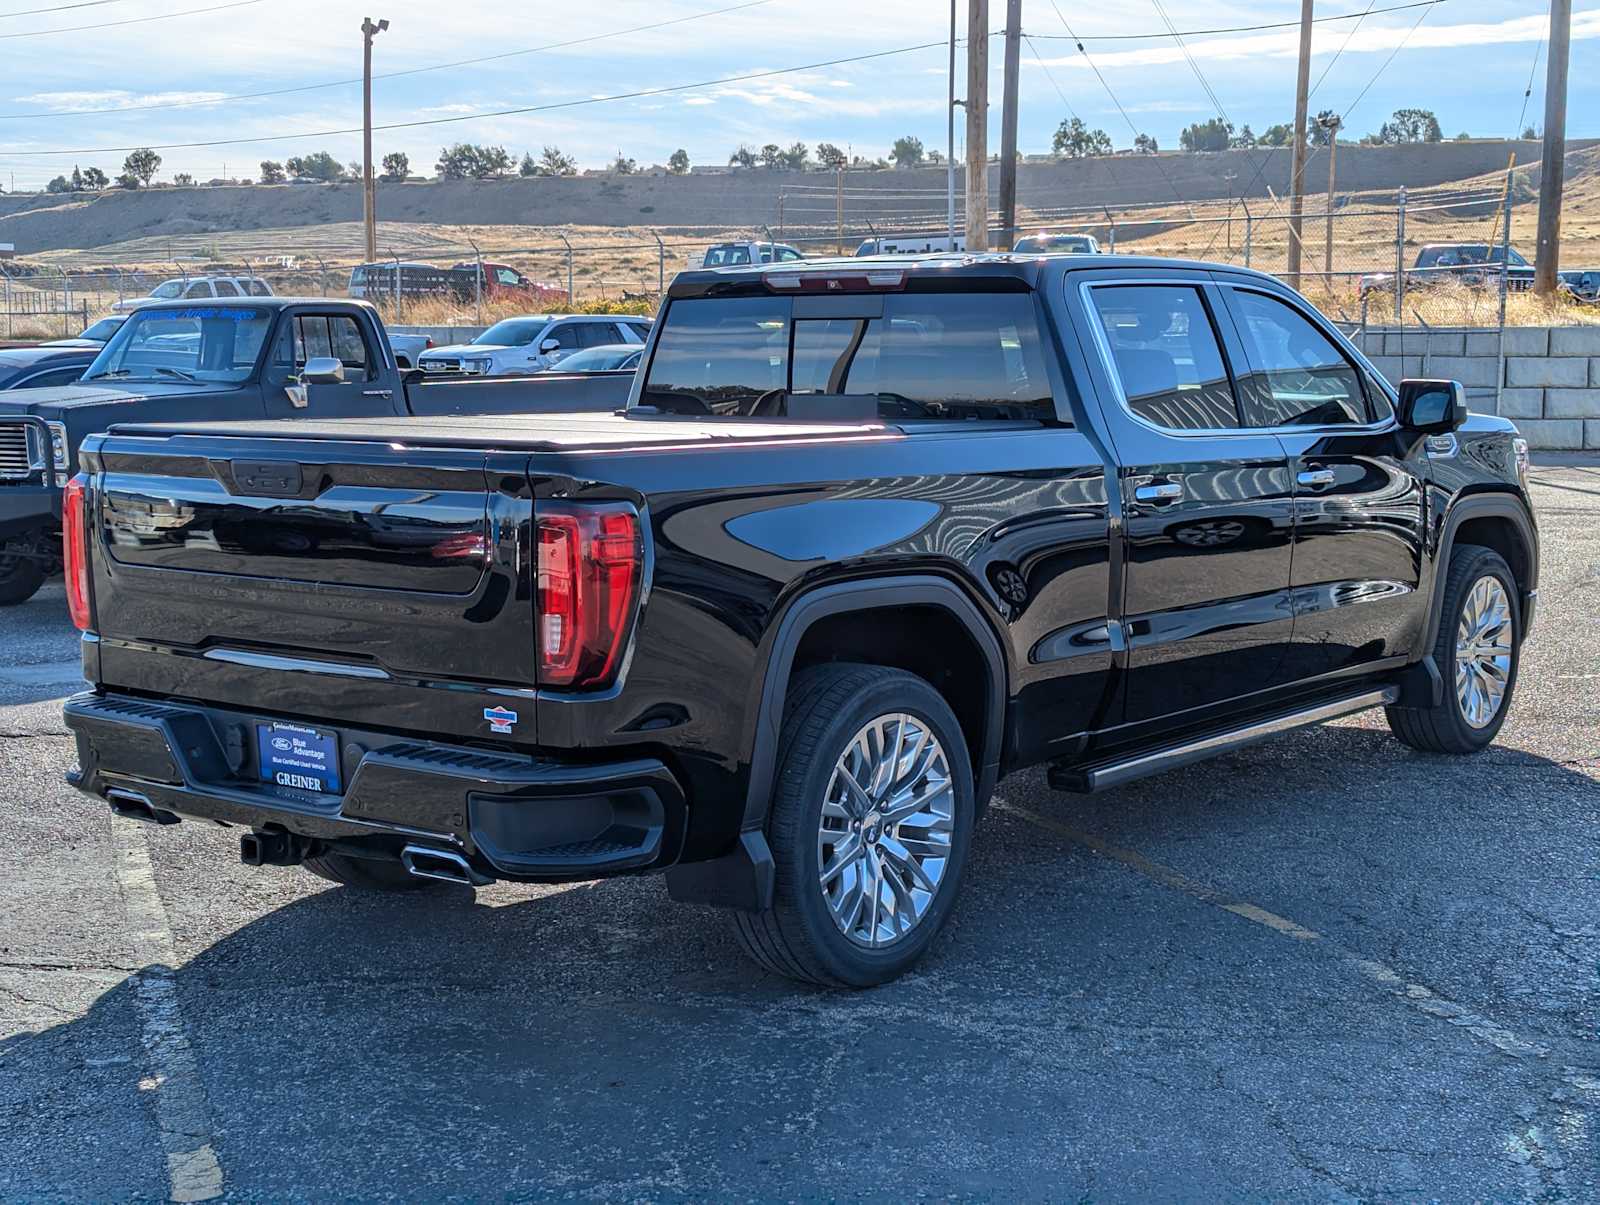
(282,743)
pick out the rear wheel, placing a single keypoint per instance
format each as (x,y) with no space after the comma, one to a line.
(871,819)
(370,874)
(20,578)
(1478,649)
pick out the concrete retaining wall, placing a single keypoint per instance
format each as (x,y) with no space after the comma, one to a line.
(442,336)
(1551,387)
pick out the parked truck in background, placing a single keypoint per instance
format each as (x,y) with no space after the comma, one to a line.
(279,357)
(868,536)
(1476,264)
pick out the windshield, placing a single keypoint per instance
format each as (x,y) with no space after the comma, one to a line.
(941,356)
(169,291)
(205,343)
(597,359)
(513,332)
(1055,242)
(102,330)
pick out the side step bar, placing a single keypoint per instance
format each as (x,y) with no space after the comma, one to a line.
(1085,779)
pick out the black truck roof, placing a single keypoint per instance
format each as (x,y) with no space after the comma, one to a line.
(1025,269)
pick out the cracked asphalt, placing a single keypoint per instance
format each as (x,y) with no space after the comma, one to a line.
(1326,968)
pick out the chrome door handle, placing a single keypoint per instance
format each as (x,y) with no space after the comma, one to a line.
(384,393)
(1318,477)
(1166,491)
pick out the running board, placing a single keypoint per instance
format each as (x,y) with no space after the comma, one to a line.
(1085,779)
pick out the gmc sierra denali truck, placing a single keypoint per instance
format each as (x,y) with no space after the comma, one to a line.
(254,357)
(869,535)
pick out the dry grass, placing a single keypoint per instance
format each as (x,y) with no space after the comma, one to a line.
(440,311)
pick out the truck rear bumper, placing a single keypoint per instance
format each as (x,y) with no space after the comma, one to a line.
(507,816)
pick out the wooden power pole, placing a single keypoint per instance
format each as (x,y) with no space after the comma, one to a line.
(977,125)
(369,189)
(1552,171)
(1297,171)
(1008,126)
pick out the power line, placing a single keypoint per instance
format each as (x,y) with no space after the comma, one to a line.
(1197,33)
(1343,46)
(1193,66)
(489,58)
(1104,84)
(1528,91)
(637,94)
(188,12)
(56,8)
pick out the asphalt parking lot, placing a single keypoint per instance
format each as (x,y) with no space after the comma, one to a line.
(1324,968)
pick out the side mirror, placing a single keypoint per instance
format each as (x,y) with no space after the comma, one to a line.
(1432,407)
(322,370)
(550,345)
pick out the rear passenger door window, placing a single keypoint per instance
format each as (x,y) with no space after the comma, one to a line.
(1298,377)
(1167,356)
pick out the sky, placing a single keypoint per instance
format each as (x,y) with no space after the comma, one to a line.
(89,77)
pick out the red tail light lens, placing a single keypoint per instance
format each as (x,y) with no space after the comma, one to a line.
(75,549)
(590,564)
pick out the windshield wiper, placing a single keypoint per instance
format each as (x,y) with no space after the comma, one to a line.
(181,374)
(110,372)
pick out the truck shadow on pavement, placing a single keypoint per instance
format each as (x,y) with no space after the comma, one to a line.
(1079,1022)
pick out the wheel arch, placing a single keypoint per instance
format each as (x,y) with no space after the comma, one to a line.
(1498,520)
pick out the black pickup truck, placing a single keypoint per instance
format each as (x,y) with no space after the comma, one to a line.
(869,535)
(266,357)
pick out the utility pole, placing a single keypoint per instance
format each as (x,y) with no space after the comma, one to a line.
(1297,172)
(838,204)
(369,189)
(950,151)
(978,125)
(1008,126)
(1333,123)
(1552,171)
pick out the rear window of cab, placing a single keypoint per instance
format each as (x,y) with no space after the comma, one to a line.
(900,356)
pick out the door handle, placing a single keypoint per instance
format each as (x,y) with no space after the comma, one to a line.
(1316,477)
(383,393)
(1166,491)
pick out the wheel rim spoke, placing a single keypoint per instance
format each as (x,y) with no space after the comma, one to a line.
(1484,651)
(884,841)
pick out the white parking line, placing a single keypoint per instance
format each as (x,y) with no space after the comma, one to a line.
(183,1116)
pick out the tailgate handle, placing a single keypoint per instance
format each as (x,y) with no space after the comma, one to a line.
(274,478)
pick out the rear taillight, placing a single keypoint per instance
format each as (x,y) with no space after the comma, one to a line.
(590,565)
(75,549)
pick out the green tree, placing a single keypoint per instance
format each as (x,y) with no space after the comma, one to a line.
(183,180)
(678,162)
(1410,125)
(1213,135)
(797,157)
(94,179)
(1143,144)
(623,166)
(492,162)
(554,162)
(319,165)
(907,151)
(1281,134)
(772,155)
(1244,139)
(142,165)
(1529,133)
(831,156)
(272,172)
(59,185)
(743,157)
(1074,140)
(396,166)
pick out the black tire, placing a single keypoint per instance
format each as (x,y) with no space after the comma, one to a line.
(20,579)
(369,874)
(826,708)
(1444,728)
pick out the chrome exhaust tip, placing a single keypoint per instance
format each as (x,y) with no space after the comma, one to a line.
(442,865)
(131,805)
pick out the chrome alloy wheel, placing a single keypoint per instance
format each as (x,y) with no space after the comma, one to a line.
(1483,651)
(887,819)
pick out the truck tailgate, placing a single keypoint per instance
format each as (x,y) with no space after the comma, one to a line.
(317,577)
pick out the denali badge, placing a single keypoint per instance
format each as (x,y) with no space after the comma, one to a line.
(500,719)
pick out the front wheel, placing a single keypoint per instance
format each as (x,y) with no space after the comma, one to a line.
(20,578)
(871,820)
(1478,650)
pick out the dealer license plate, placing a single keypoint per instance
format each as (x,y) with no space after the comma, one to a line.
(294,756)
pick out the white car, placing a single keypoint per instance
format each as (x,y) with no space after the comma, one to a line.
(727,255)
(198,288)
(517,346)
